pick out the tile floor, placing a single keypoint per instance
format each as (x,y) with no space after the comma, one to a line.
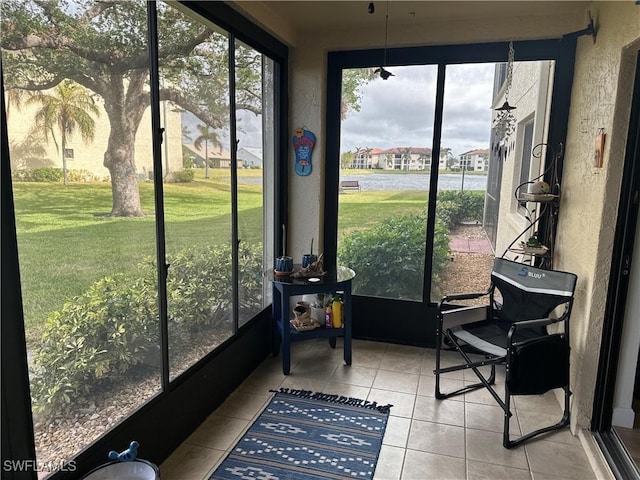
(425,438)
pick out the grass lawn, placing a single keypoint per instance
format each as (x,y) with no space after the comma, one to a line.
(66,241)
(365,209)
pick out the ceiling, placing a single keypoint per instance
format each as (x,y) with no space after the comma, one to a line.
(329,15)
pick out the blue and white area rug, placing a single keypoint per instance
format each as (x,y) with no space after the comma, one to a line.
(306,436)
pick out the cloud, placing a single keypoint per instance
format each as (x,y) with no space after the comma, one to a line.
(400,111)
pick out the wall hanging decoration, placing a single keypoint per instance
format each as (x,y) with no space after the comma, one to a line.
(539,197)
(303,143)
(504,124)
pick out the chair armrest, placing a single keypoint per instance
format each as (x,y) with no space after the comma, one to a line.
(461,296)
(538,322)
(462,316)
(464,309)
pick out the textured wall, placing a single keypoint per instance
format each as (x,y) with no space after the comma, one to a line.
(601,97)
(90,156)
(307,108)
(307,90)
(529,95)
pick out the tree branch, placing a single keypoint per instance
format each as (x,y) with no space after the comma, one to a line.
(31,86)
(249,107)
(34,41)
(96,9)
(188,104)
(185,47)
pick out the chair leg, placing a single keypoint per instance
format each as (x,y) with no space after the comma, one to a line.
(564,421)
(506,442)
(485,382)
(438,394)
(437,371)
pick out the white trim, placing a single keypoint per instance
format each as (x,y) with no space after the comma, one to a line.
(623,417)
(598,462)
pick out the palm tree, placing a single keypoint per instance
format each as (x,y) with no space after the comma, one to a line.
(207,136)
(67,109)
(406,158)
(15,97)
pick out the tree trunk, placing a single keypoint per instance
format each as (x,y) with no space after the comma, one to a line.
(206,158)
(65,177)
(64,128)
(125,108)
(119,159)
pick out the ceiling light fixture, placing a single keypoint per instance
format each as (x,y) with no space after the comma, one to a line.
(384,73)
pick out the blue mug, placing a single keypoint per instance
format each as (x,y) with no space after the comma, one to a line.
(284,264)
(308,259)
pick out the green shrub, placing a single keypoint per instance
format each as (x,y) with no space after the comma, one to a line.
(43,174)
(440,257)
(449,212)
(47,174)
(200,288)
(100,335)
(82,176)
(389,257)
(184,176)
(455,207)
(50,174)
(251,279)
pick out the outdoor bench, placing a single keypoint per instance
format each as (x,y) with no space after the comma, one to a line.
(349,185)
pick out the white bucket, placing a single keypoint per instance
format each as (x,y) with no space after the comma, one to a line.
(135,470)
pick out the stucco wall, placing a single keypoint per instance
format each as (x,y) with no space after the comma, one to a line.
(529,92)
(90,156)
(307,91)
(307,108)
(601,97)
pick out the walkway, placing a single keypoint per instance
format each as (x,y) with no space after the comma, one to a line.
(459,243)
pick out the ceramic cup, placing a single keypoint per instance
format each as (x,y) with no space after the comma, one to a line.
(308,259)
(284,264)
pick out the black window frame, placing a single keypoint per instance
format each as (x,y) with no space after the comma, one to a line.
(414,322)
(204,386)
(528,127)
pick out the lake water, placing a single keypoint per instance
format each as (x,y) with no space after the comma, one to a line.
(407,181)
(417,181)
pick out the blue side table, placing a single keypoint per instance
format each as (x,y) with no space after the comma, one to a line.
(286,286)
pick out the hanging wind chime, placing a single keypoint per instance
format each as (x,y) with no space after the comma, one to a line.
(504,124)
(384,73)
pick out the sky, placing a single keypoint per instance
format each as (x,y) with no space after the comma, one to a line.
(399,112)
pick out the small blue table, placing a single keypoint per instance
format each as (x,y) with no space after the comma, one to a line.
(284,287)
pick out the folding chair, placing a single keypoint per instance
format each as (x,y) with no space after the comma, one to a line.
(512,331)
